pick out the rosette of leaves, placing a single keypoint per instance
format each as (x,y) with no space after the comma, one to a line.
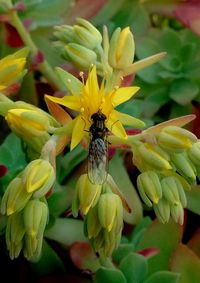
(170,87)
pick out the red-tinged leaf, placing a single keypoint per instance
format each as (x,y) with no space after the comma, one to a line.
(58,112)
(164,237)
(12,89)
(3,170)
(180,122)
(188,13)
(127,80)
(149,252)
(186,262)
(196,122)
(83,256)
(85,9)
(19,6)
(194,243)
(12,37)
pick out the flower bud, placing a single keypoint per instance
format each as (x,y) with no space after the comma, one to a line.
(177,213)
(149,187)
(88,193)
(170,189)
(80,56)
(38,177)
(154,157)
(12,68)
(194,153)
(35,218)
(176,139)
(92,223)
(110,210)
(27,123)
(15,231)
(64,33)
(184,166)
(162,210)
(15,197)
(121,49)
(86,34)
(32,248)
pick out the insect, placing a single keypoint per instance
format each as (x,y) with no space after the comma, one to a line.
(98,147)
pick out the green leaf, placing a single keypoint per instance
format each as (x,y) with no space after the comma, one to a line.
(185,262)
(109,275)
(183,91)
(66,231)
(193,199)
(122,251)
(12,156)
(120,176)
(164,277)
(139,229)
(155,236)
(71,82)
(170,41)
(37,12)
(134,267)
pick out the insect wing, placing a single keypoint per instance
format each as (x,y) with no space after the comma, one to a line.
(97,161)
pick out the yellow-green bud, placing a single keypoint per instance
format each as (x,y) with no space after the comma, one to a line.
(15,231)
(32,248)
(110,210)
(177,213)
(149,187)
(176,139)
(27,123)
(88,193)
(80,56)
(35,218)
(121,49)
(162,210)
(15,197)
(184,166)
(38,177)
(154,156)
(170,189)
(92,222)
(86,34)
(194,153)
(64,33)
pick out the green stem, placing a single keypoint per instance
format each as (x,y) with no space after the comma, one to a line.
(44,67)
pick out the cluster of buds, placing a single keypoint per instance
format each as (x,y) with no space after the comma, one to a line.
(79,43)
(28,122)
(24,204)
(82,46)
(169,167)
(102,210)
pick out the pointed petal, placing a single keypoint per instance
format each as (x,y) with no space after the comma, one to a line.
(115,126)
(78,131)
(92,85)
(73,102)
(123,94)
(129,120)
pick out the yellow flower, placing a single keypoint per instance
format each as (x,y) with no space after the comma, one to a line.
(12,68)
(91,99)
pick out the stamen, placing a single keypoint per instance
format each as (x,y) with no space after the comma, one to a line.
(116,87)
(82,109)
(81,74)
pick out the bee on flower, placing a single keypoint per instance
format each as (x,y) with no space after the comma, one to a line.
(98,117)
